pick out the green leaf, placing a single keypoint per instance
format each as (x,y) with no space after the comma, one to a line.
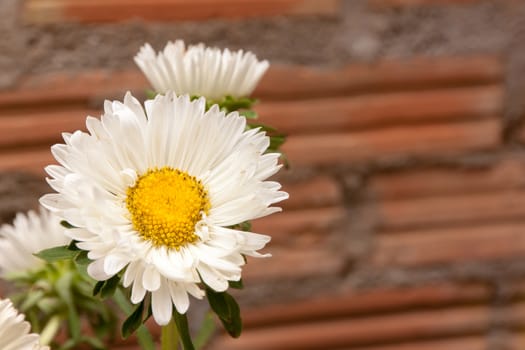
(63,288)
(262,127)
(66,224)
(33,297)
(236,284)
(109,287)
(56,254)
(82,258)
(276,142)
(133,321)
(249,114)
(206,331)
(98,287)
(184,331)
(73,246)
(227,309)
(94,343)
(143,335)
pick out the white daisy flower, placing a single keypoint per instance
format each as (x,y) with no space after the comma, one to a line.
(14,331)
(29,234)
(201,71)
(156,193)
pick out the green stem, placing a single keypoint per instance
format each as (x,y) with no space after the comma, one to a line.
(170,336)
(50,330)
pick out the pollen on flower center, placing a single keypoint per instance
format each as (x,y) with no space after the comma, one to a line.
(165,205)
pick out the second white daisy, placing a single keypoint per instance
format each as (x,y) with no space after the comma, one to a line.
(29,234)
(201,71)
(157,191)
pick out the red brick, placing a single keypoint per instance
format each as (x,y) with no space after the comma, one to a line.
(520,134)
(505,174)
(382,4)
(370,330)
(71,89)
(414,141)
(450,245)
(320,191)
(451,209)
(289,82)
(280,82)
(296,226)
(379,110)
(463,343)
(516,341)
(41,128)
(51,11)
(294,264)
(31,160)
(365,301)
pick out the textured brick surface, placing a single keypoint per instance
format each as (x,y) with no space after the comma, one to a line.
(452,209)
(360,331)
(294,264)
(462,343)
(396,142)
(367,301)
(504,174)
(50,11)
(450,245)
(380,110)
(404,229)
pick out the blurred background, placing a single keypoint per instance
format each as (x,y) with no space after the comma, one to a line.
(405,227)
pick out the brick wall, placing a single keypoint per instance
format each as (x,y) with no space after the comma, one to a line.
(405,228)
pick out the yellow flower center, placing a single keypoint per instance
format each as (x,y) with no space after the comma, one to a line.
(165,205)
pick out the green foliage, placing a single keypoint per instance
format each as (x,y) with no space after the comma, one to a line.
(134,321)
(227,309)
(206,331)
(59,295)
(144,337)
(236,284)
(66,224)
(56,253)
(181,321)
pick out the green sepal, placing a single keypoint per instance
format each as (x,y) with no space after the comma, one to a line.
(150,94)
(66,224)
(56,253)
(181,321)
(230,103)
(227,309)
(245,226)
(249,114)
(134,321)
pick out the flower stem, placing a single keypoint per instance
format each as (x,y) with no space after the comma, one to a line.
(50,330)
(170,336)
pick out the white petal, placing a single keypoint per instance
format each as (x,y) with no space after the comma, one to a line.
(161,305)
(151,279)
(96,270)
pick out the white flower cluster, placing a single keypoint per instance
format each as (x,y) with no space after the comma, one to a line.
(156,191)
